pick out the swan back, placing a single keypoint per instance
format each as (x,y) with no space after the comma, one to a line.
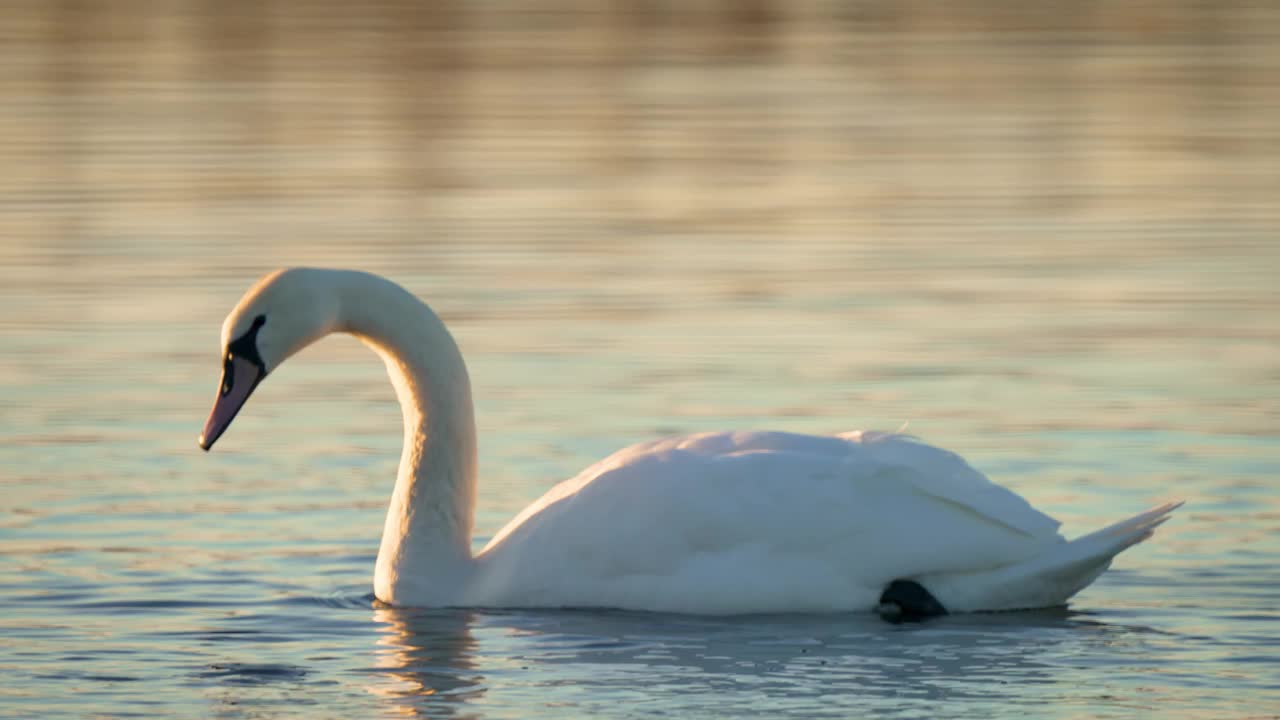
(757,522)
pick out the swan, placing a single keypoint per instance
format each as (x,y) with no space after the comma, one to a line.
(713,523)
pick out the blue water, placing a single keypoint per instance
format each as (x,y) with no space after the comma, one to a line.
(141,577)
(1081,301)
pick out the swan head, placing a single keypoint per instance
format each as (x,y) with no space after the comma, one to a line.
(281,314)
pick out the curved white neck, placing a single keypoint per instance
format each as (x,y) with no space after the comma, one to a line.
(426,542)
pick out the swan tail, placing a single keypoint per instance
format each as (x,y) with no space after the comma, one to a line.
(1133,527)
(1051,578)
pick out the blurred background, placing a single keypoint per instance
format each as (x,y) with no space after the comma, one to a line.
(1047,234)
(600,125)
(867,211)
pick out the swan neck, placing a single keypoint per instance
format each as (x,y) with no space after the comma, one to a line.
(427,536)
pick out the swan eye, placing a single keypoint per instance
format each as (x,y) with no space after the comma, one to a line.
(245,347)
(228,375)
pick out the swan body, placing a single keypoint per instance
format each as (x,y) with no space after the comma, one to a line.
(715,523)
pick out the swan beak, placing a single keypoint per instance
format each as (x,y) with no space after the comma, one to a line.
(239,378)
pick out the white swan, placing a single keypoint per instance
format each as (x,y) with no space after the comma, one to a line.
(716,523)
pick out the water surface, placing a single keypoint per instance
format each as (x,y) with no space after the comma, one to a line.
(1049,245)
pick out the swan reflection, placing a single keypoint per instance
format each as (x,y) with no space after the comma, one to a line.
(426,660)
(442,663)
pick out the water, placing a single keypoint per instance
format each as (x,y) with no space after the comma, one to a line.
(1052,247)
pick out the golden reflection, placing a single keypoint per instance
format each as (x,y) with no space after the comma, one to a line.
(425,661)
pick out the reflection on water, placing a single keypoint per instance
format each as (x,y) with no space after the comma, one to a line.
(426,659)
(434,663)
(1044,235)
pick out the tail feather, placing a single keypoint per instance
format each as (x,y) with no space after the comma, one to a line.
(1051,578)
(1148,520)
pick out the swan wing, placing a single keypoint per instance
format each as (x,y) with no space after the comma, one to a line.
(743,522)
(946,476)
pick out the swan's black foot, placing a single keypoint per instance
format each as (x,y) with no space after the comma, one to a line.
(907,600)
